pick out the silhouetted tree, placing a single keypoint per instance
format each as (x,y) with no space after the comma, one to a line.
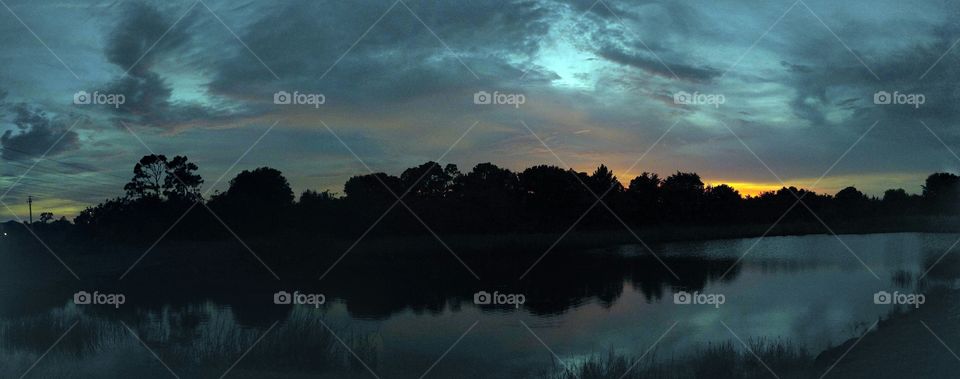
(311,197)
(682,195)
(486,199)
(375,187)
(603,181)
(263,186)
(895,196)
(181,181)
(555,193)
(942,192)
(491,195)
(46,217)
(256,201)
(896,201)
(644,198)
(429,180)
(851,201)
(154,176)
(722,203)
(148,177)
(486,183)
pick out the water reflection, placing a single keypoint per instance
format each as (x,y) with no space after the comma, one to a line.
(400,316)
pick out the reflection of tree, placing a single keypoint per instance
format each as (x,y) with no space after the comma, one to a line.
(568,281)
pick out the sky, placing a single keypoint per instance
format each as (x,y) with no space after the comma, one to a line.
(782,91)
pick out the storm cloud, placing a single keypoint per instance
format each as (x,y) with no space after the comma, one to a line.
(799,80)
(38,133)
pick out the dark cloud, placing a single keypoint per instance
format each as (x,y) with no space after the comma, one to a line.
(37,133)
(653,65)
(397,60)
(144,37)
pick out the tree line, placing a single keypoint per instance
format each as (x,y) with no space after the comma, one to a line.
(486,199)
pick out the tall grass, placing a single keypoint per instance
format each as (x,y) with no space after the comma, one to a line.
(201,339)
(717,361)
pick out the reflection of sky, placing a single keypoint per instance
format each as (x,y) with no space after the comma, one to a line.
(598,83)
(804,290)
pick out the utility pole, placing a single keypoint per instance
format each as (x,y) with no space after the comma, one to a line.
(30,205)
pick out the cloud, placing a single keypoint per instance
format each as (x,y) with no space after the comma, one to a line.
(37,133)
(653,65)
(142,40)
(311,48)
(143,36)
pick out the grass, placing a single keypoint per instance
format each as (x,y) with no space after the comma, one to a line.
(718,361)
(202,340)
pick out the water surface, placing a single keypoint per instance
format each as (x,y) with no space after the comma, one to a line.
(815,291)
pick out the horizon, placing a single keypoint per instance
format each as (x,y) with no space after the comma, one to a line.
(744,189)
(479,188)
(571,84)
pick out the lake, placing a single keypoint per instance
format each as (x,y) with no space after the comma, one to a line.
(810,291)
